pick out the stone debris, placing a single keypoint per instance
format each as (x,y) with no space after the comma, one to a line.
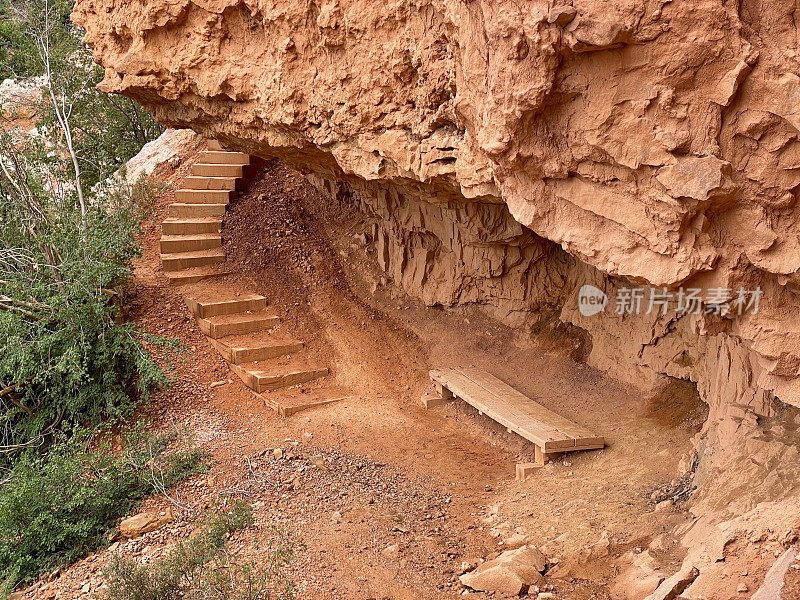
(674,586)
(144,522)
(561,15)
(510,573)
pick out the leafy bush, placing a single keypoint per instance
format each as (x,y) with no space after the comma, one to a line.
(18,52)
(57,507)
(229,578)
(63,345)
(65,356)
(200,569)
(137,198)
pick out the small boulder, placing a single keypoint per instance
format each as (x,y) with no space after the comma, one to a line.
(510,573)
(674,586)
(465,567)
(602,547)
(561,15)
(143,523)
(664,506)
(637,576)
(515,540)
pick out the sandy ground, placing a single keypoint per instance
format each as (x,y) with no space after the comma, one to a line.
(390,499)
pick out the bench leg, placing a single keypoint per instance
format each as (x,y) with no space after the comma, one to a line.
(445,397)
(444,393)
(539,456)
(525,470)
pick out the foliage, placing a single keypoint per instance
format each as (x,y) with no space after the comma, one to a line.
(57,507)
(63,343)
(107,130)
(18,53)
(147,454)
(67,359)
(199,568)
(230,578)
(66,355)
(137,197)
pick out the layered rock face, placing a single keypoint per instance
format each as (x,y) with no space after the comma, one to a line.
(512,152)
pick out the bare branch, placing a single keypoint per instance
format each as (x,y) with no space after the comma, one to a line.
(10,392)
(19,311)
(62,113)
(33,305)
(35,440)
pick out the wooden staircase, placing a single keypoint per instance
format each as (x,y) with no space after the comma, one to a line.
(238,324)
(191,240)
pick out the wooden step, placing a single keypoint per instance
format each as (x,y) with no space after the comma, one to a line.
(203,196)
(177,226)
(211,170)
(193,275)
(196,211)
(214,145)
(245,349)
(223,157)
(291,402)
(207,308)
(190,243)
(186,260)
(237,324)
(275,374)
(197,182)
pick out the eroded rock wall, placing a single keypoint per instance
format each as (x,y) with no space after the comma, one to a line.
(653,140)
(452,253)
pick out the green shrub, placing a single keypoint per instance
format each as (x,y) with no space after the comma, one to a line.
(57,507)
(199,568)
(144,192)
(229,578)
(64,354)
(62,341)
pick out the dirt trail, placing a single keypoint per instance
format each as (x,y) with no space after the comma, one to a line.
(391,499)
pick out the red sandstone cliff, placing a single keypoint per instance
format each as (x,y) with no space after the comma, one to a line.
(511,152)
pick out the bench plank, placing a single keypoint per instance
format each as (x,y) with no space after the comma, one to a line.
(487,403)
(518,413)
(523,411)
(531,407)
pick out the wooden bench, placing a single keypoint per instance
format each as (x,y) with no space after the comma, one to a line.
(551,433)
